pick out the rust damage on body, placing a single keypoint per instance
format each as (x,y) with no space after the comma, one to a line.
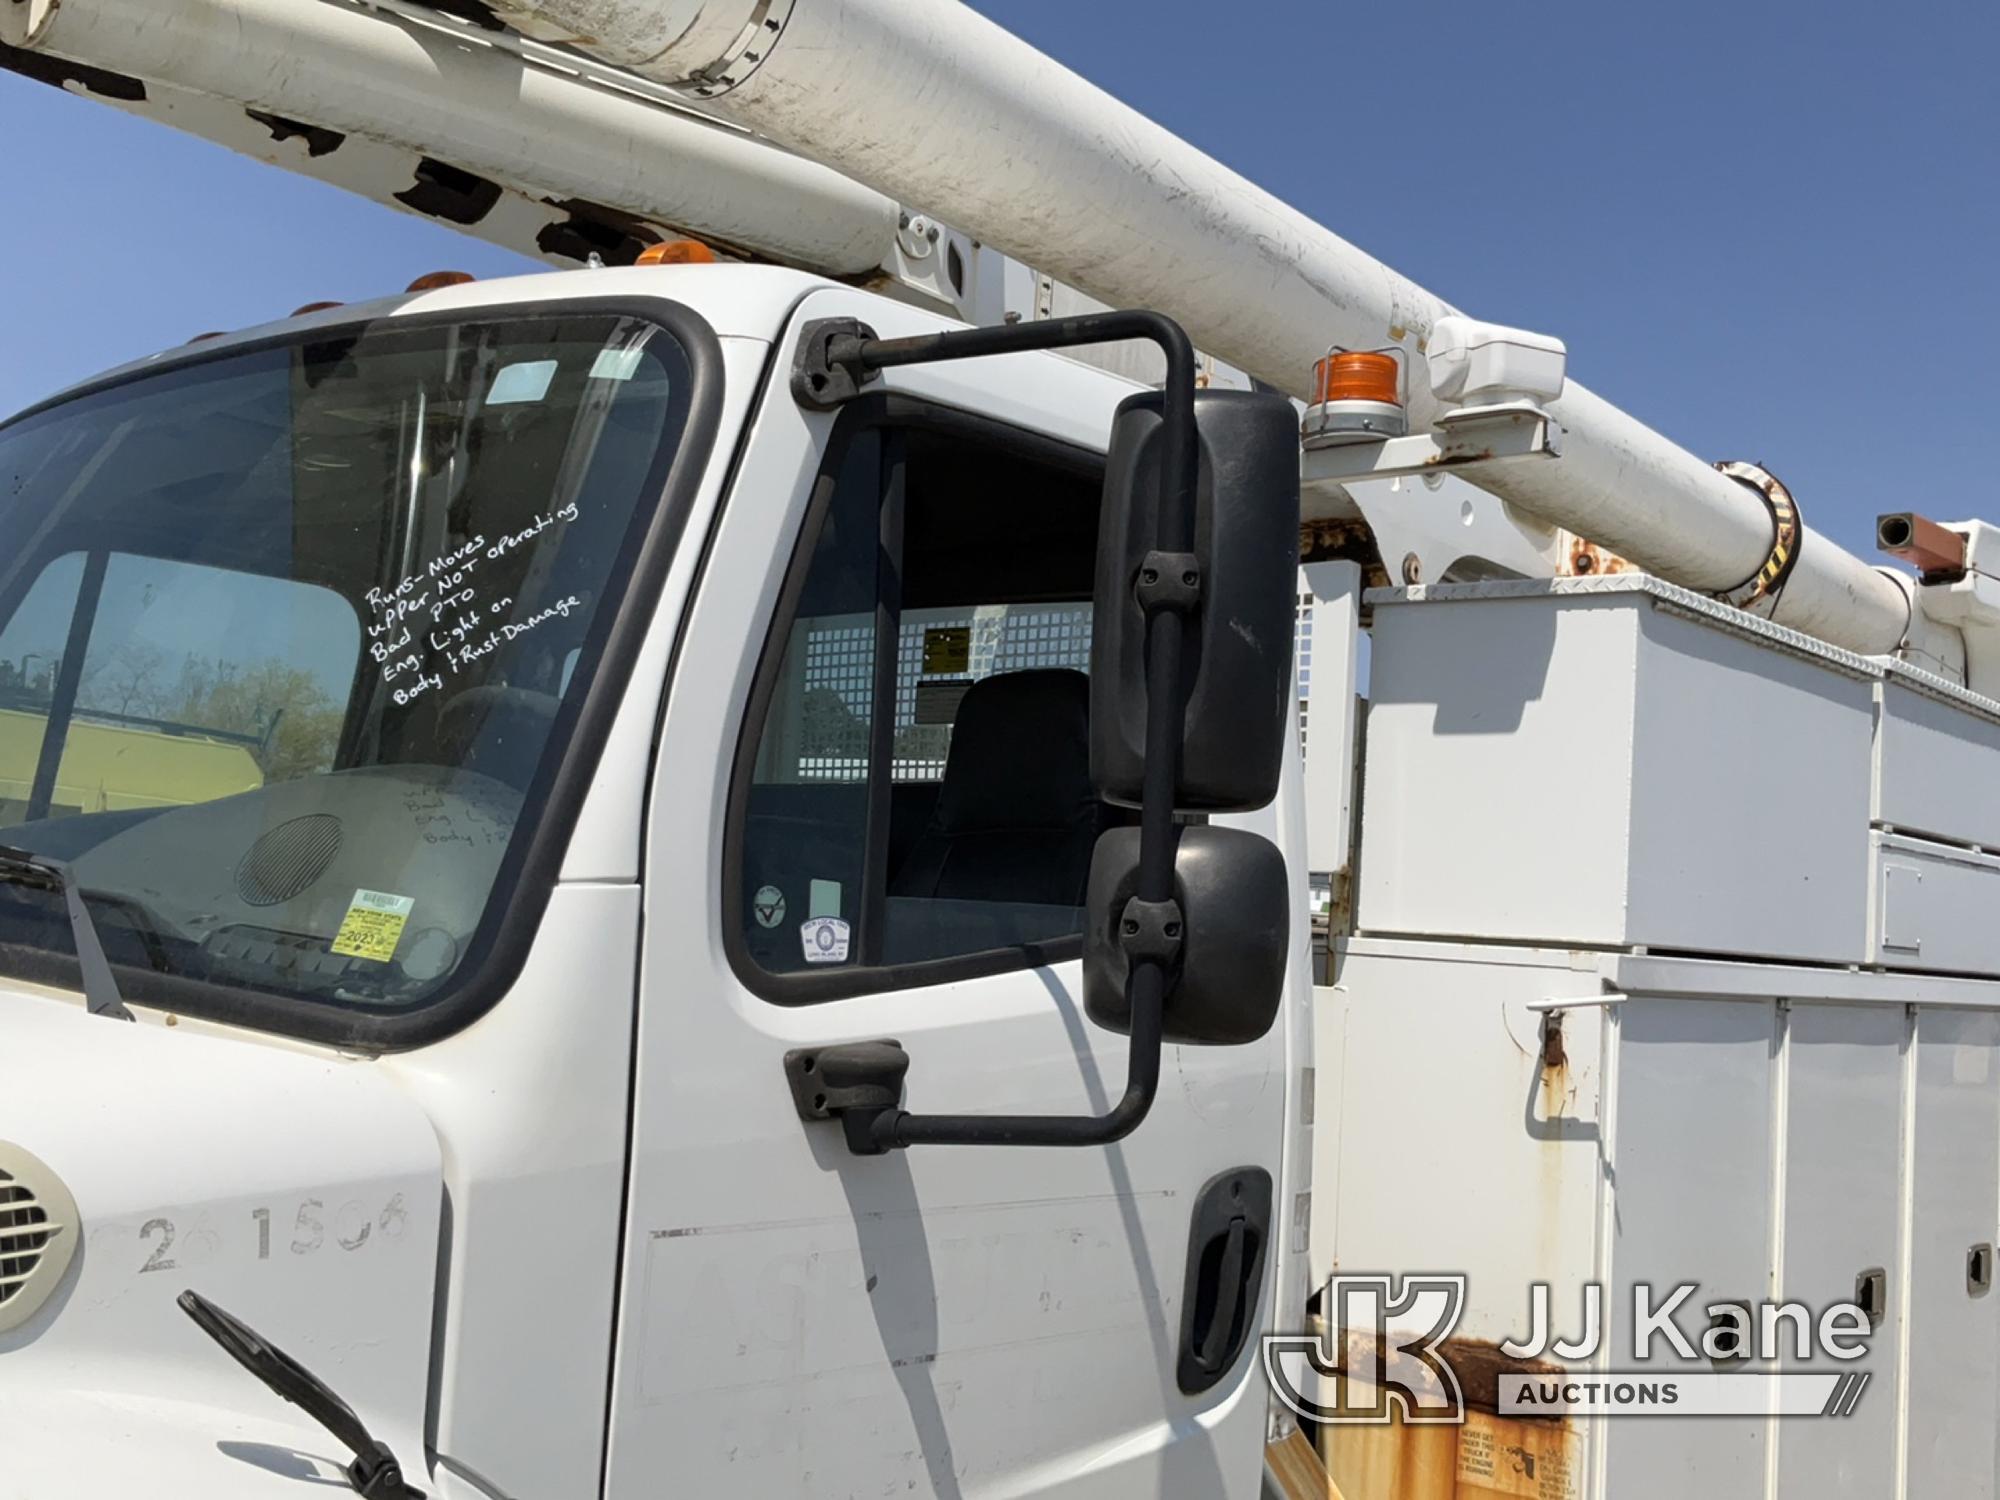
(1557,1095)
(1344,540)
(1937,552)
(1484,1457)
(1453,458)
(1587,560)
(1554,1058)
(1478,1364)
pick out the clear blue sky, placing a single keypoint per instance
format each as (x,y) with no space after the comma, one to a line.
(1766,226)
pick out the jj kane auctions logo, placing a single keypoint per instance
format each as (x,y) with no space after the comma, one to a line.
(1370,1365)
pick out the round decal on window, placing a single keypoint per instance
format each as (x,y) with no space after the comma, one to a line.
(768,905)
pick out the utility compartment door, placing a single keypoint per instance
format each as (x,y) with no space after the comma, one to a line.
(868,822)
(1842,1242)
(1692,1164)
(1954,1331)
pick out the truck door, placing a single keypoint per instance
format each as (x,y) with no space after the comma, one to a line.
(871,818)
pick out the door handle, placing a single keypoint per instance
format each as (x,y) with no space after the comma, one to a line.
(1228,1240)
(1228,1309)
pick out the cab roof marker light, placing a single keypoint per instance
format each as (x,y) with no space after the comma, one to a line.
(439,280)
(677,253)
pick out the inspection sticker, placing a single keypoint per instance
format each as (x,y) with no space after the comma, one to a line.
(824,940)
(947,649)
(373,925)
(768,905)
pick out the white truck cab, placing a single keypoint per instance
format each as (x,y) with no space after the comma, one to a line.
(630,732)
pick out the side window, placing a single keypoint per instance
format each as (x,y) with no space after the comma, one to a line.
(914,786)
(805,835)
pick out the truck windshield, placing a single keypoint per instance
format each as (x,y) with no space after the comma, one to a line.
(291,642)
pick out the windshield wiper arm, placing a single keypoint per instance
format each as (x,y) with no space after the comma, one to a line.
(374,1472)
(100,988)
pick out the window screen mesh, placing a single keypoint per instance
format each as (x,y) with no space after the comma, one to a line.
(839,684)
(1303,656)
(999,638)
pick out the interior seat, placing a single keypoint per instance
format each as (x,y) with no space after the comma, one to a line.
(1016,816)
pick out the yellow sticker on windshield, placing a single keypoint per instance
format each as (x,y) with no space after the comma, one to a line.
(373,926)
(947,650)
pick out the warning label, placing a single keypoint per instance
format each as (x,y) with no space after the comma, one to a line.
(1531,1460)
(937,702)
(373,925)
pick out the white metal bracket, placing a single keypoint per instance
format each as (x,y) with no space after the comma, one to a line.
(1581,1002)
(1463,440)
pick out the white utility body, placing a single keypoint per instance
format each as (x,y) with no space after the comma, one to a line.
(507,735)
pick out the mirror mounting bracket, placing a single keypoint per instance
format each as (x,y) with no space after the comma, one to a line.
(1169,580)
(855,1083)
(1150,931)
(827,370)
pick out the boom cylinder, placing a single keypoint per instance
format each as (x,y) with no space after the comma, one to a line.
(934,105)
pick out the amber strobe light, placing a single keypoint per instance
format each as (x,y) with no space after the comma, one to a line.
(1356,377)
(677,253)
(437,280)
(1357,398)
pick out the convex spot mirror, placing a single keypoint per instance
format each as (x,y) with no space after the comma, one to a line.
(1236,671)
(1235,907)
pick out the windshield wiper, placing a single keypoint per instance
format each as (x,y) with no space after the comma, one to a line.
(100,989)
(374,1472)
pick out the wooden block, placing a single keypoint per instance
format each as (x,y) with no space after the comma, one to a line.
(1488,1458)
(1296,1467)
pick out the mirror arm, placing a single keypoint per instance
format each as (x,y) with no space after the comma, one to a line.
(1150,927)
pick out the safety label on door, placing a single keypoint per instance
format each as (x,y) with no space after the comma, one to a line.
(373,925)
(947,649)
(824,940)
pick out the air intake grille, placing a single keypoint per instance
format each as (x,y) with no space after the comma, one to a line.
(24,1236)
(287,859)
(38,1234)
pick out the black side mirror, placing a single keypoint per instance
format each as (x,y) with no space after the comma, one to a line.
(1229,979)
(1191,679)
(1236,657)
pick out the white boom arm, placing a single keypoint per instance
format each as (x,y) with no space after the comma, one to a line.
(573,125)
(359,94)
(933,104)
